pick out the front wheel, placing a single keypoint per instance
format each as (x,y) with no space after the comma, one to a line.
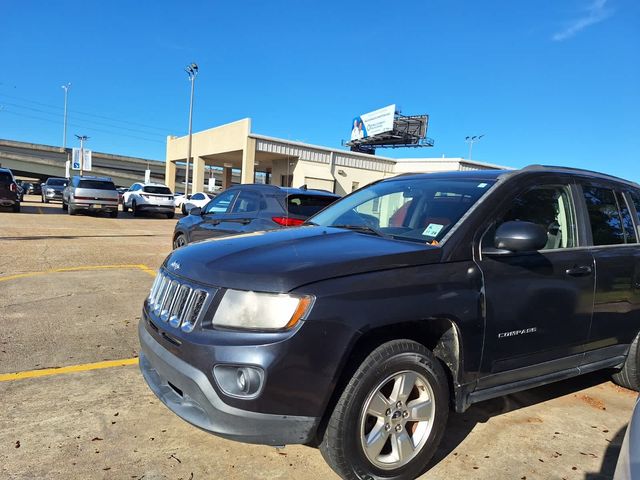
(179,241)
(135,209)
(391,416)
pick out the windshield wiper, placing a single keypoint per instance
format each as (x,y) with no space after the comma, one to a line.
(362,229)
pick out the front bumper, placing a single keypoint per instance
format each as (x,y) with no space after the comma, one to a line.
(187,392)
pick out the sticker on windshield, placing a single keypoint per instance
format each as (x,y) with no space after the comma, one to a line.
(482,185)
(432,230)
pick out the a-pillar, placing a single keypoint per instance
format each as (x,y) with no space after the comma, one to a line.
(198,175)
(170,175)
(248,161)
(227,173)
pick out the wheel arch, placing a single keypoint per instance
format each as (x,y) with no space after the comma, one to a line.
(440,335)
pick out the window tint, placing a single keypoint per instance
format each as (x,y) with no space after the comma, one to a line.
(627,221)
(307,205)
(247,202)
(197,196)
(5,178)
(221,203)
(134,187)
(606,223)
(547,206)
(57,182)
(635,197)
(96,184)
(158,190)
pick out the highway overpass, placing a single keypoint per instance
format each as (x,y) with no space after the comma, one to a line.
(30,160)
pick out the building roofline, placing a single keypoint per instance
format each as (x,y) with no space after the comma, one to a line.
(320,147)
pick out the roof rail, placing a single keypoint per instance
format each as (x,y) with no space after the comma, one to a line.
(577,170)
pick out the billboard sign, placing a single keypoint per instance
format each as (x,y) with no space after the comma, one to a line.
(75,160)
(373,123)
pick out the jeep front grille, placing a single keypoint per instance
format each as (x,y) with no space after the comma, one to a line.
(176,303)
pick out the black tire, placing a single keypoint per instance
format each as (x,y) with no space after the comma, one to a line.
(113,214)
(124,207)
(42,198)
(351,424)
(183,209)
(71,210)
(179,241)
(134,209)
(171,215)
(45,200)
(64,205)
(16,207)
(629,375)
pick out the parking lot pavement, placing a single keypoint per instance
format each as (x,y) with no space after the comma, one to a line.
(71,289)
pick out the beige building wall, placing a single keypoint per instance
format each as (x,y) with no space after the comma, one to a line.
(233,146)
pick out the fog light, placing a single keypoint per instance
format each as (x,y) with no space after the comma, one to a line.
(239,381)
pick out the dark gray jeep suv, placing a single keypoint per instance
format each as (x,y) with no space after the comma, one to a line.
(360,330)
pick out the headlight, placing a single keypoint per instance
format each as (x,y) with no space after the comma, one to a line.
(50,190)
(261,311)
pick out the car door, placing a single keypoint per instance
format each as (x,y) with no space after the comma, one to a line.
(127,195)
(208,225)
(243,216)
(538,305)
(616,316)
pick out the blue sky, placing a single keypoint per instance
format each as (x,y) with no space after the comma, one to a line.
(552,82)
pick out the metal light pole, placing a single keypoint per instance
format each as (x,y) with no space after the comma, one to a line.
(64,130)
(82,138)
(192,72)
(471,140)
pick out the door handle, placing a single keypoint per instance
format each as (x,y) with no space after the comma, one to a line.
(581,271)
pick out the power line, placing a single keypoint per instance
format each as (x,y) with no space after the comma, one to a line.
(144,132)
(81,126)
(77,112)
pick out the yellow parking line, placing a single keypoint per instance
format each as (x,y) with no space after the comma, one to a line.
(7,377)
(144,268)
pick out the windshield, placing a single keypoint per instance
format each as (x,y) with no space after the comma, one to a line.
(56,182)
(158,190)
(415,209)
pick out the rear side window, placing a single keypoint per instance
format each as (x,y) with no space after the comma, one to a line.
(635,196)
(157,190)
(96,185)
(247,202)
(627,221)
(606,221)
(221,203)
(307,205)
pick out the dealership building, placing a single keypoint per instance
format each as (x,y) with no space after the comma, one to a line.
(244,156)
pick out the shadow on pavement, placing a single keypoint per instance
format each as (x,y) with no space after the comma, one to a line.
(460,425)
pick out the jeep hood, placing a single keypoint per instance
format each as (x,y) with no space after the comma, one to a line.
(282,260)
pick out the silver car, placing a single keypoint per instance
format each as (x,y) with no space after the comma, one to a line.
(93,194)
(628,467)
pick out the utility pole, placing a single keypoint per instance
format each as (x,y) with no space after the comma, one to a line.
(66,88)
(82,138)
(192,72)
(471,140)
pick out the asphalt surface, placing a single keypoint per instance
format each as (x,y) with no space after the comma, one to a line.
(71,289)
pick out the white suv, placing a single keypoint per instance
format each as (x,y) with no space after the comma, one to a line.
(149,197)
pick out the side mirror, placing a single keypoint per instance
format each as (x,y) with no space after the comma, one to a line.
(518,237)
(195,211)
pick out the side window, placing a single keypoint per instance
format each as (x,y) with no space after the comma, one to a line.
(197,196)
(606,223)
(547,206)
(247,202)
(627,221)
(222,202)
(635,197)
